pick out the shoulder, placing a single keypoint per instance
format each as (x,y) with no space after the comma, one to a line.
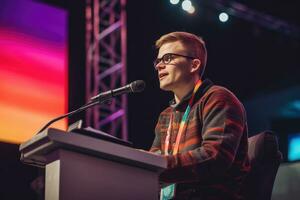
(220,94)
(220,99)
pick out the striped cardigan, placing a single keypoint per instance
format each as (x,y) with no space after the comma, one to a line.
(212,160)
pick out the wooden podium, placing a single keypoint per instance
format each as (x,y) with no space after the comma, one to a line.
(80,167)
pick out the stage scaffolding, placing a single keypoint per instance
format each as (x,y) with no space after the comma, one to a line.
(106,64)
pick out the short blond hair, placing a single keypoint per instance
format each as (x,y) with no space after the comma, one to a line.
(195,43)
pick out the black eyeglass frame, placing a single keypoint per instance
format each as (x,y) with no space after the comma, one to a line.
(158,60)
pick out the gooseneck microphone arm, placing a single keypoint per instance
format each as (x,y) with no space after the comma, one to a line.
(82,108)
(136,86)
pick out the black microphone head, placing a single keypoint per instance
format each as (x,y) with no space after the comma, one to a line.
(137,86)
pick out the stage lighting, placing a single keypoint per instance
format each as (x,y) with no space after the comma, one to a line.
(288,131)
(223,17)
(186,5)
(191,10)
(294,147)
(174,2)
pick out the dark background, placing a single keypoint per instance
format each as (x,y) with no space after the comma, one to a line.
(248,59)
(259,65)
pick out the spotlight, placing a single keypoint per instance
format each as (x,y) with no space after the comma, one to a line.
(174,2)
(191,10)
(223,17)
(186,5)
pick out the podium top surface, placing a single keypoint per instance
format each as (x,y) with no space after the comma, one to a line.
(35,150)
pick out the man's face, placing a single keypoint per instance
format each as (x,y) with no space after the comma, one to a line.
(177,72)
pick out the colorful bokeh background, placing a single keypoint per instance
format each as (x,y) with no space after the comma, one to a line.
(33,68)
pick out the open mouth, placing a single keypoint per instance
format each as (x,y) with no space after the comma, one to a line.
(162,75)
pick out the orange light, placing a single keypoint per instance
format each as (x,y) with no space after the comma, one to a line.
(33,85)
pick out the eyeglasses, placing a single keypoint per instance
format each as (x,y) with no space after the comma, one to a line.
(167,58)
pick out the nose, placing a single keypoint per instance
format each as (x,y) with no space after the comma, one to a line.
(160,66)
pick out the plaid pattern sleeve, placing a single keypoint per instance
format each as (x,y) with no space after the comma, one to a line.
(214,147)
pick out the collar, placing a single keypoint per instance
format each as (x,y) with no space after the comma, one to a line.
(206,84)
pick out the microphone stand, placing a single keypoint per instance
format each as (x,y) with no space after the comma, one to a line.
(136,86)
(84,107)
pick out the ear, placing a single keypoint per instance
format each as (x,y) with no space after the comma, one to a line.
(196,64)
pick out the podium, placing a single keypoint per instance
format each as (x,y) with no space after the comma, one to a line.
(80,167)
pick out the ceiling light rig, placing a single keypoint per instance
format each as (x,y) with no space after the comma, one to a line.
(230,8)
(262,19)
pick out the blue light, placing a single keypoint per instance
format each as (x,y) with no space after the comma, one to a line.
(294,147)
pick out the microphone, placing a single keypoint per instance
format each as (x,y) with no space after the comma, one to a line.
(135,86)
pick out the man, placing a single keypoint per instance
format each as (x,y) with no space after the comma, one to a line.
(203,133)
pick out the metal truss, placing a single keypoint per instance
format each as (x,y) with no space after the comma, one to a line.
(106,63)
(267,21)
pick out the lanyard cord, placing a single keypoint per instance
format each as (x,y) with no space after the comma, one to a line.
(183,123)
